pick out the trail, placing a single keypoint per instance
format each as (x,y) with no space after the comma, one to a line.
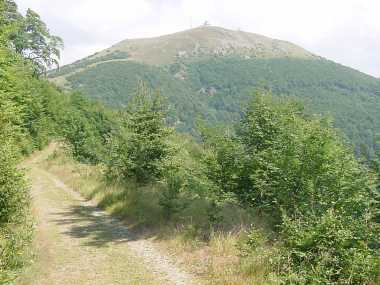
(77,243)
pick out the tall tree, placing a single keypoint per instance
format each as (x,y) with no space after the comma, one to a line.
(29,37)
(37,44)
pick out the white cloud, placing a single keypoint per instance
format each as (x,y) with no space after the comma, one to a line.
(347,31)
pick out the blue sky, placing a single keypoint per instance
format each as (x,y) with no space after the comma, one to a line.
(346,31)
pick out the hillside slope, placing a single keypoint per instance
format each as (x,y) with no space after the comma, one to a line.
(208,72)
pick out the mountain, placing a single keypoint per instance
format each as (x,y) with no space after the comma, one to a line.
(208,72)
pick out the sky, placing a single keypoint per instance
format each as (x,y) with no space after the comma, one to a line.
(346,31)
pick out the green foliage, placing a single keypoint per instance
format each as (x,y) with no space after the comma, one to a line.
(115,84)
(13,194)
(223,160)
(32,112)
(374,164)
(14,199)
(140,147)
(86,126)
(170,199)
(333,248)
(15,230)
(326,88)
(215,88)
(296,169)
(27,101)
(277,147)
(30,37)
(9,20)
(291,166)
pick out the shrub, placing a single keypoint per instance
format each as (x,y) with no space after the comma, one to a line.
(297,169)
(330,249)
(14,230)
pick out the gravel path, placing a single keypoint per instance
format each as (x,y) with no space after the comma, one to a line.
(77,243)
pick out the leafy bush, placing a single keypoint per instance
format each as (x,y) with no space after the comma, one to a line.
(86,126)
(13,190)
(14,229)
(296,169)
(329,249)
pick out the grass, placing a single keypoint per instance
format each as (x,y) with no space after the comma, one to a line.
(71,238)
(14,250)
(217,255)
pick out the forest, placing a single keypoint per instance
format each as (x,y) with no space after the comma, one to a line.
(216,88)
(319,200)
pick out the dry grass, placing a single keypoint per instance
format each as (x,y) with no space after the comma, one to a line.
(77,244)
(216,259)
(205,40)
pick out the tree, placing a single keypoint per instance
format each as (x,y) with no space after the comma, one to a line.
(37,44)
(140,146)
(29,37)
(86,127)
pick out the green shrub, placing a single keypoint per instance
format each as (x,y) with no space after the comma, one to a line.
(13,190)
(85,126)
(330,249)
(14,229)
(296,169)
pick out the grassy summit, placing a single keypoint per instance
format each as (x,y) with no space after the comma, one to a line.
(206,40)
(203,41)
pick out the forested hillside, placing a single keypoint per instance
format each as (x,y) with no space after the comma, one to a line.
(202,81)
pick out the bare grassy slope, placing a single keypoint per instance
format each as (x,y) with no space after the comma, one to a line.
(189,44)
(206,40)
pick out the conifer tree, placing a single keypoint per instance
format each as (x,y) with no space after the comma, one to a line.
(140,147)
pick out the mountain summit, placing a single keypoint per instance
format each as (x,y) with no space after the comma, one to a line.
(206,40)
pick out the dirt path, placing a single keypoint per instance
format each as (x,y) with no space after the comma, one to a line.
(79,244)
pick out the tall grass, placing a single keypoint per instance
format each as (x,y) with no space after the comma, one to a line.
(15,240)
